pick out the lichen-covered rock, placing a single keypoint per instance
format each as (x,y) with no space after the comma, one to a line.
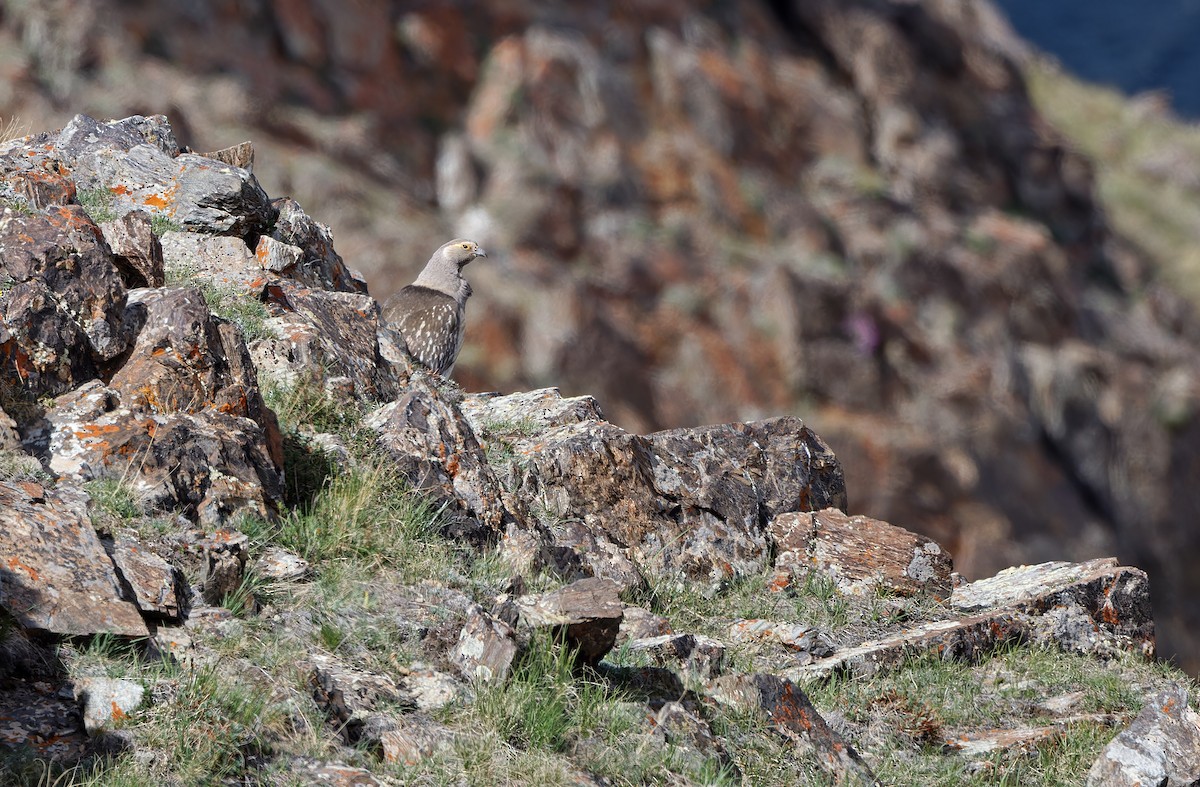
(57,577)
(198,193)
(106,701)
(185,359)
(861,555)
(208,464)
(319,266)
(155,582)
(1161,747)
(85,135)
(224,263)
(137,251)
(323,335)
(692,655)
(689,503)
(435,448)
(1098,607)
(62,302)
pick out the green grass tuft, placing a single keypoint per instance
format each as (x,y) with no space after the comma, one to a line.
(98,204)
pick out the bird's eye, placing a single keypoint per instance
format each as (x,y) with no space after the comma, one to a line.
(466,245)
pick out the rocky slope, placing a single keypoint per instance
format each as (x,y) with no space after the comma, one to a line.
(243,541)
(707,212)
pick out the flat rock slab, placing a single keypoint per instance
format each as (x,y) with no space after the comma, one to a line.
(1093,607)
(791,713)
(1161,747)
(154,581)
(689,654)
(587,613)
(540,409)
(862,555)
(54,573)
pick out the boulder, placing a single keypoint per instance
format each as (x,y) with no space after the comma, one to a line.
(434,447)
(56,576)
(198,193)
(860,554)
(106,701)
(62,301)
(585,614)
(1161,747)
(685,503)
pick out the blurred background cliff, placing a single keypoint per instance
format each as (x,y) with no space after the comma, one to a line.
(974,275)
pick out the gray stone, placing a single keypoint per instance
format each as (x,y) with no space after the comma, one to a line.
(692,655)
(223,262)
(321,336)
(106,701)
(525,411)
(280,565)
(1094,607)
(85,134)
(136,249)
(351,697)
(321,266)
(436,450)
(153,580)
(414,738)
(200,194)
(1161,747)
(486,647)
(685,503)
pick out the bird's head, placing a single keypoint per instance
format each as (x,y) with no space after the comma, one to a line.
(461,251)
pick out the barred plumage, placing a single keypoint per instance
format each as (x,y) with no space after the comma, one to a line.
(428,315)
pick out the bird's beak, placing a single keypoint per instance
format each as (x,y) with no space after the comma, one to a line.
(480,252)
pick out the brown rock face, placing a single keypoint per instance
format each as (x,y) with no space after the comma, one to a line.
(56,576)
(62,302)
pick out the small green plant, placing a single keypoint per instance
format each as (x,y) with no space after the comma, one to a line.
(547,703)
(114,500)
(161,223)
(369,514)
(19,466)
(240,308)
(98,203)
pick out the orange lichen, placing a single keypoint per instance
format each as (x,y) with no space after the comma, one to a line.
(15,563)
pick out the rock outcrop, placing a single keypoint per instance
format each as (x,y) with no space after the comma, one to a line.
(844,210)
(143,445)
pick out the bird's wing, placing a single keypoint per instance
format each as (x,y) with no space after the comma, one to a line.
(428,323)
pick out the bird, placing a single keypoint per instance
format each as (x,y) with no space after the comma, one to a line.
(428,315)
